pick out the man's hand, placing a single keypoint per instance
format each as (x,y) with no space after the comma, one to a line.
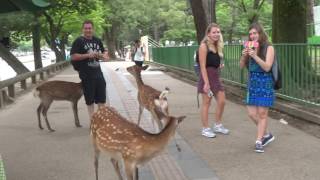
(92,55)
(105,56)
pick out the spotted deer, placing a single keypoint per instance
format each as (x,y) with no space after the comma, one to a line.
(57,90)
(148,97)
(126,143)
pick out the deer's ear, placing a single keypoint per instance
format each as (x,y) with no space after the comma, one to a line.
(181,118)
(145,67)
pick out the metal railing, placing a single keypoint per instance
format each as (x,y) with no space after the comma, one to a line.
(299,63)
(8,87)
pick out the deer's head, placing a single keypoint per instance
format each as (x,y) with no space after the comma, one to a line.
(136,70)
(176,120)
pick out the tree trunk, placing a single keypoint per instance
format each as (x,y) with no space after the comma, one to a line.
(59,55)
(209,7)
(200,19)
(36,44)
(111,37)
(233,24)
(52,37)
(12,61)
(310,21)
(310,4)
(289,21)
(156,32)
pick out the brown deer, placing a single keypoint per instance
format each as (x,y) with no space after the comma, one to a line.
(58,90)
(148,97)
(126,142)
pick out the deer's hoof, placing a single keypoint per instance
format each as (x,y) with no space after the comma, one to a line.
(52,130)
(78,125)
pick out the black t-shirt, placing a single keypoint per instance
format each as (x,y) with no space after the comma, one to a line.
(88,68)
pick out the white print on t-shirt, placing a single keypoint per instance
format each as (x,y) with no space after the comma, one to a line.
(90,48)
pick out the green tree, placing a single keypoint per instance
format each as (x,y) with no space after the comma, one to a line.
(14,26)
(179,23)
(55,19)
(235,16)
(287,16)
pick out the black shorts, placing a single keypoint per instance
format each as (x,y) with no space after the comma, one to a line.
(138,63)
(94,90)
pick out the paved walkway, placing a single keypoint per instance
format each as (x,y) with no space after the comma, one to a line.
(31,154)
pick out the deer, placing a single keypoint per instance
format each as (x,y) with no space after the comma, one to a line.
(148,97)
(126,143)
(57,90)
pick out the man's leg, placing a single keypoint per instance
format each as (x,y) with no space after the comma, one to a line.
(88,92)
(90,110)
(100,96)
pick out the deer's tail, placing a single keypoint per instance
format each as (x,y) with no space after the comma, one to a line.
(164,93)
(162,102)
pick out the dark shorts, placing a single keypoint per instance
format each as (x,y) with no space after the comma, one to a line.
(214,81)
(94,90)
(138,63)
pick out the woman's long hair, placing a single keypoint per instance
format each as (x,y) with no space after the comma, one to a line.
(213,46)
(263,38)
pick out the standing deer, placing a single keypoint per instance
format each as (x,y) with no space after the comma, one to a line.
(58,90)
(148,97)
(125,142)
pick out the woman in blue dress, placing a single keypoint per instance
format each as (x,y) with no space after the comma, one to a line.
(260,92)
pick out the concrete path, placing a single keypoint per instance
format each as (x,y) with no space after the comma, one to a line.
(31,154)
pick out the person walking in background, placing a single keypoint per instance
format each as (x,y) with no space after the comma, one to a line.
(260,92)
(209,85)
(86,51)
(139,53)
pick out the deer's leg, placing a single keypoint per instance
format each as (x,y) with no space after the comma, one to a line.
(116,167)
(44,113)
(129,167)
(75,113)
(137,173)
(157,119)
(140,113)
(39,109)
(96,159)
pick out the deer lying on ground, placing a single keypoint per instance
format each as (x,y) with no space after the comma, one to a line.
(58,90)
(125,142)
(148,97)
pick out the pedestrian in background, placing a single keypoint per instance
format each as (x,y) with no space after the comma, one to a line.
(139,53)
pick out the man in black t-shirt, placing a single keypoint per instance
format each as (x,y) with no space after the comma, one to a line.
(86,51)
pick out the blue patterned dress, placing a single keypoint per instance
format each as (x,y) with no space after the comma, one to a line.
(260,86)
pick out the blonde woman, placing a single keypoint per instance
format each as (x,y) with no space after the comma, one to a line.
(209,85)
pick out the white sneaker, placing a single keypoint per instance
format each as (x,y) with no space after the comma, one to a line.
(207,132)
(220,129)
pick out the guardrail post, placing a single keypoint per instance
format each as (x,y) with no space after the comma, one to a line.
(11,91)
(23,84)
(48,72)
(34,79)
(41,76)
(2,104)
